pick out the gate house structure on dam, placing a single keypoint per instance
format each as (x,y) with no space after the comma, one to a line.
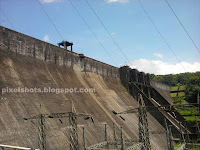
(29,62)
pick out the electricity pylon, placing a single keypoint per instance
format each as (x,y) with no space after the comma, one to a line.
(106,145)
(74,145)
(169,136)
(41,129)
(143,123)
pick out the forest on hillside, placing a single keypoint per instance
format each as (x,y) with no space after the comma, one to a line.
(191,80)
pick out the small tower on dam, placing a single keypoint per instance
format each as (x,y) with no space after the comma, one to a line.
(66,44)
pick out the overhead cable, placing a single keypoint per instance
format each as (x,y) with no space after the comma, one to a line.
(50,19)
(182,26)
(107,30)
(8,19)
(160,33)
(91,31)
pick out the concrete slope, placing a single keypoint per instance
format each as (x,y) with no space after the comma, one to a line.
(18,70)
(163,90)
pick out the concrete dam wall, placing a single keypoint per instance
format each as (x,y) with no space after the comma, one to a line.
(29,62)
(163,89)
(31,47)
(155,95)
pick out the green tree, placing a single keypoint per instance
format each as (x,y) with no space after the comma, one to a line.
(191,80)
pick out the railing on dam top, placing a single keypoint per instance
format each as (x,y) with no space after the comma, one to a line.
(4,147)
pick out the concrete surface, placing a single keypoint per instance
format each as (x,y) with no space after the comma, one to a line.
(163,89)
(22,66)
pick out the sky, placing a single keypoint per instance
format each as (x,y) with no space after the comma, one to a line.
(138,44)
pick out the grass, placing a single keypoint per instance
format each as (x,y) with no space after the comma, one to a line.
(192,118)
(173,95)
(184,109)
(177,144)
(175,91)
(182,88)
(191,112)
(194,147)
(181,94)
(188,112)
(174,88)
(179,100)
(178,88)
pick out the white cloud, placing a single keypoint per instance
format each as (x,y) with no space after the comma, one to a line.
(119,1)
(51,1)
(46,38)
(158,55)
(161,68)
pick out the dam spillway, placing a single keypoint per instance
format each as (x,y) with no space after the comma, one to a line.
(29,62)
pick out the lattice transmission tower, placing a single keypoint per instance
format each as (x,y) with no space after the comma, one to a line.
(72,115)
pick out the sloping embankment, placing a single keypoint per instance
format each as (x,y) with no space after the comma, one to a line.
(28,62)
(163,89)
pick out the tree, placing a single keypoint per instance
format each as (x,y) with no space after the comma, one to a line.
(191,80)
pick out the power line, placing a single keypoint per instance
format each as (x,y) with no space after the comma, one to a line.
(92,31)
(107,30)
(8,19)
(160,33)
(82,19)
(182,25)
(50,19)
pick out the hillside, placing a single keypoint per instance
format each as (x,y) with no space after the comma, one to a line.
(190,80)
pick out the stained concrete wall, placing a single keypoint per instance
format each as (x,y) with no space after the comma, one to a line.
(39,65)
(162,89)
(28,46)
(160,85)
(128,75)
(131,78)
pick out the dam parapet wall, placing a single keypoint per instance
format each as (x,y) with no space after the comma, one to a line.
(21,44)
(160,85)
(142,80)
(18,43)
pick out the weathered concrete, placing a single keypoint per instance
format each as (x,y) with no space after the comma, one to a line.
(28,46)
(163,89)
(139,82)
(28,62)
(128,75)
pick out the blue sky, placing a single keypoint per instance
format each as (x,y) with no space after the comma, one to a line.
(127,23)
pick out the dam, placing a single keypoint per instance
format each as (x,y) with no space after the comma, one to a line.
(26,62)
